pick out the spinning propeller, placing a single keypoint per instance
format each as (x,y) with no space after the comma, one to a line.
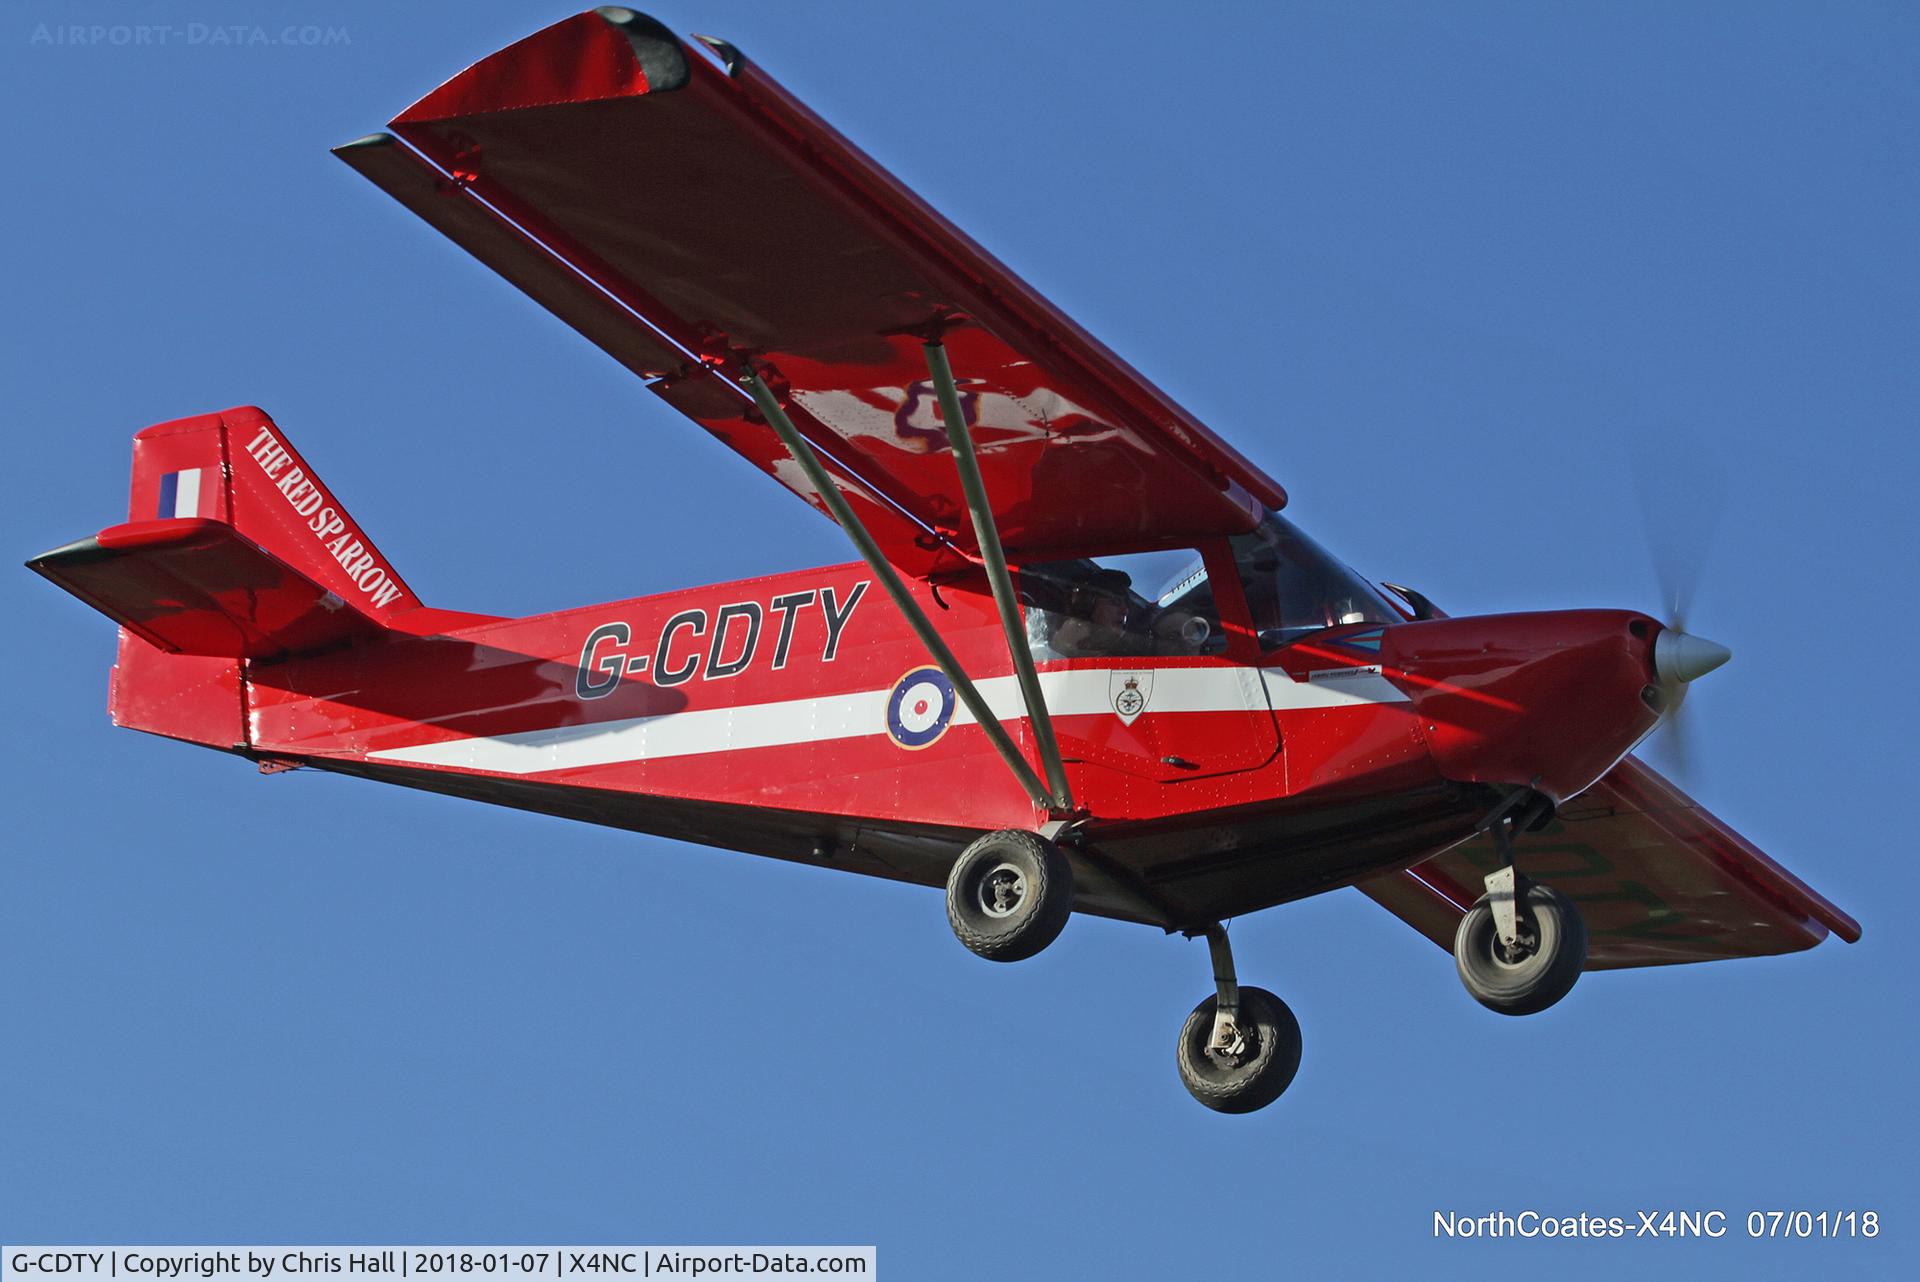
(1679,516)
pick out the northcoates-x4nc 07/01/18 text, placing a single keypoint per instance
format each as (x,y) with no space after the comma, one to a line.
(1657,1224)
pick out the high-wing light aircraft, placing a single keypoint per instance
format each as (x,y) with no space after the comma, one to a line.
(1083,662)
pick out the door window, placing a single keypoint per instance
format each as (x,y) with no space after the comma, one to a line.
(1143,603)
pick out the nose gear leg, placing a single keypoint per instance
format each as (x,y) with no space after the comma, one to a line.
(1506,888)
(1227,1041)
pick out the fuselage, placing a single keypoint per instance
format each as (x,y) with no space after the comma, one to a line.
(796,715)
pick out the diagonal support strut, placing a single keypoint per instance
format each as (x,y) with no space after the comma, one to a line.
(987,534)
(889,578)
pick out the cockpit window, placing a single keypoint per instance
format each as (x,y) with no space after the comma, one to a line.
(1149,603)
(1295,587)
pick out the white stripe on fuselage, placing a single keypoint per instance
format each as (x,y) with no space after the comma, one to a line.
(1074,692)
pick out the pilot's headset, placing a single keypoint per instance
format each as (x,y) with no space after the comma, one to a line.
(1109,585)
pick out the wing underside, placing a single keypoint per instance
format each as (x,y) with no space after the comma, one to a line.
(1657,878)
(685,213)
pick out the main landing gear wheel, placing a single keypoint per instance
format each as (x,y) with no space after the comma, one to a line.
(1254,1067)
(1241,1047)
(1009,895)
(1533,969)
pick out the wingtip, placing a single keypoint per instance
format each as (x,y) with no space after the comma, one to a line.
(366,143)
(77,552)
(662,57)
(579,59)
(731,59)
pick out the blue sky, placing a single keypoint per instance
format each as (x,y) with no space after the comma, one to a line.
(1442,270)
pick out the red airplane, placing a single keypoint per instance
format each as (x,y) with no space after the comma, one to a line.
(1082,664)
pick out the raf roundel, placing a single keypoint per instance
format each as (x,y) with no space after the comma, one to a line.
(920,708)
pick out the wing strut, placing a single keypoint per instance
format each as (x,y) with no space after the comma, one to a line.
(889,578)
(987,534)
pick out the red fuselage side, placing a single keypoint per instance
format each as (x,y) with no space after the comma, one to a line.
(783,715)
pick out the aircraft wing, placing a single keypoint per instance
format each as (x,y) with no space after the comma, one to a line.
(1656,877)
(684,212)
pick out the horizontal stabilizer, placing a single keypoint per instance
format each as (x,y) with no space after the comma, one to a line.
(195,586)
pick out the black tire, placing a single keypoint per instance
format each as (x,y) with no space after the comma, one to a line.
(1253,1079)
(1009,895)
(1554,951)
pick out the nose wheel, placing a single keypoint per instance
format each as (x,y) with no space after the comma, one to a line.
(1535,966)
(1522,945)
(1241,1047)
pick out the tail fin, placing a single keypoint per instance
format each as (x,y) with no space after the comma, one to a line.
(237,467)
(233,548)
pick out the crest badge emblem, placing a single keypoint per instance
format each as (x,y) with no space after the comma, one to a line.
(1129,692)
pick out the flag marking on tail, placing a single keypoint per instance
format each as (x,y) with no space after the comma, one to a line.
(180,493)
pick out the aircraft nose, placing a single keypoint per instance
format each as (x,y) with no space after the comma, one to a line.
(1680,657)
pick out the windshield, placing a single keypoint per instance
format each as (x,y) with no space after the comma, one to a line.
(1295,587)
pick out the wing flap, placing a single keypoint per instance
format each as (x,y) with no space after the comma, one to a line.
(1658,879)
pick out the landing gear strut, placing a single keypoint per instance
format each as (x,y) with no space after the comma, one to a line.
(1241,1047)
(1522,945)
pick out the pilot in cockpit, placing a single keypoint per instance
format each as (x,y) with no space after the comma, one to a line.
(1105,619)
(1096,622)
